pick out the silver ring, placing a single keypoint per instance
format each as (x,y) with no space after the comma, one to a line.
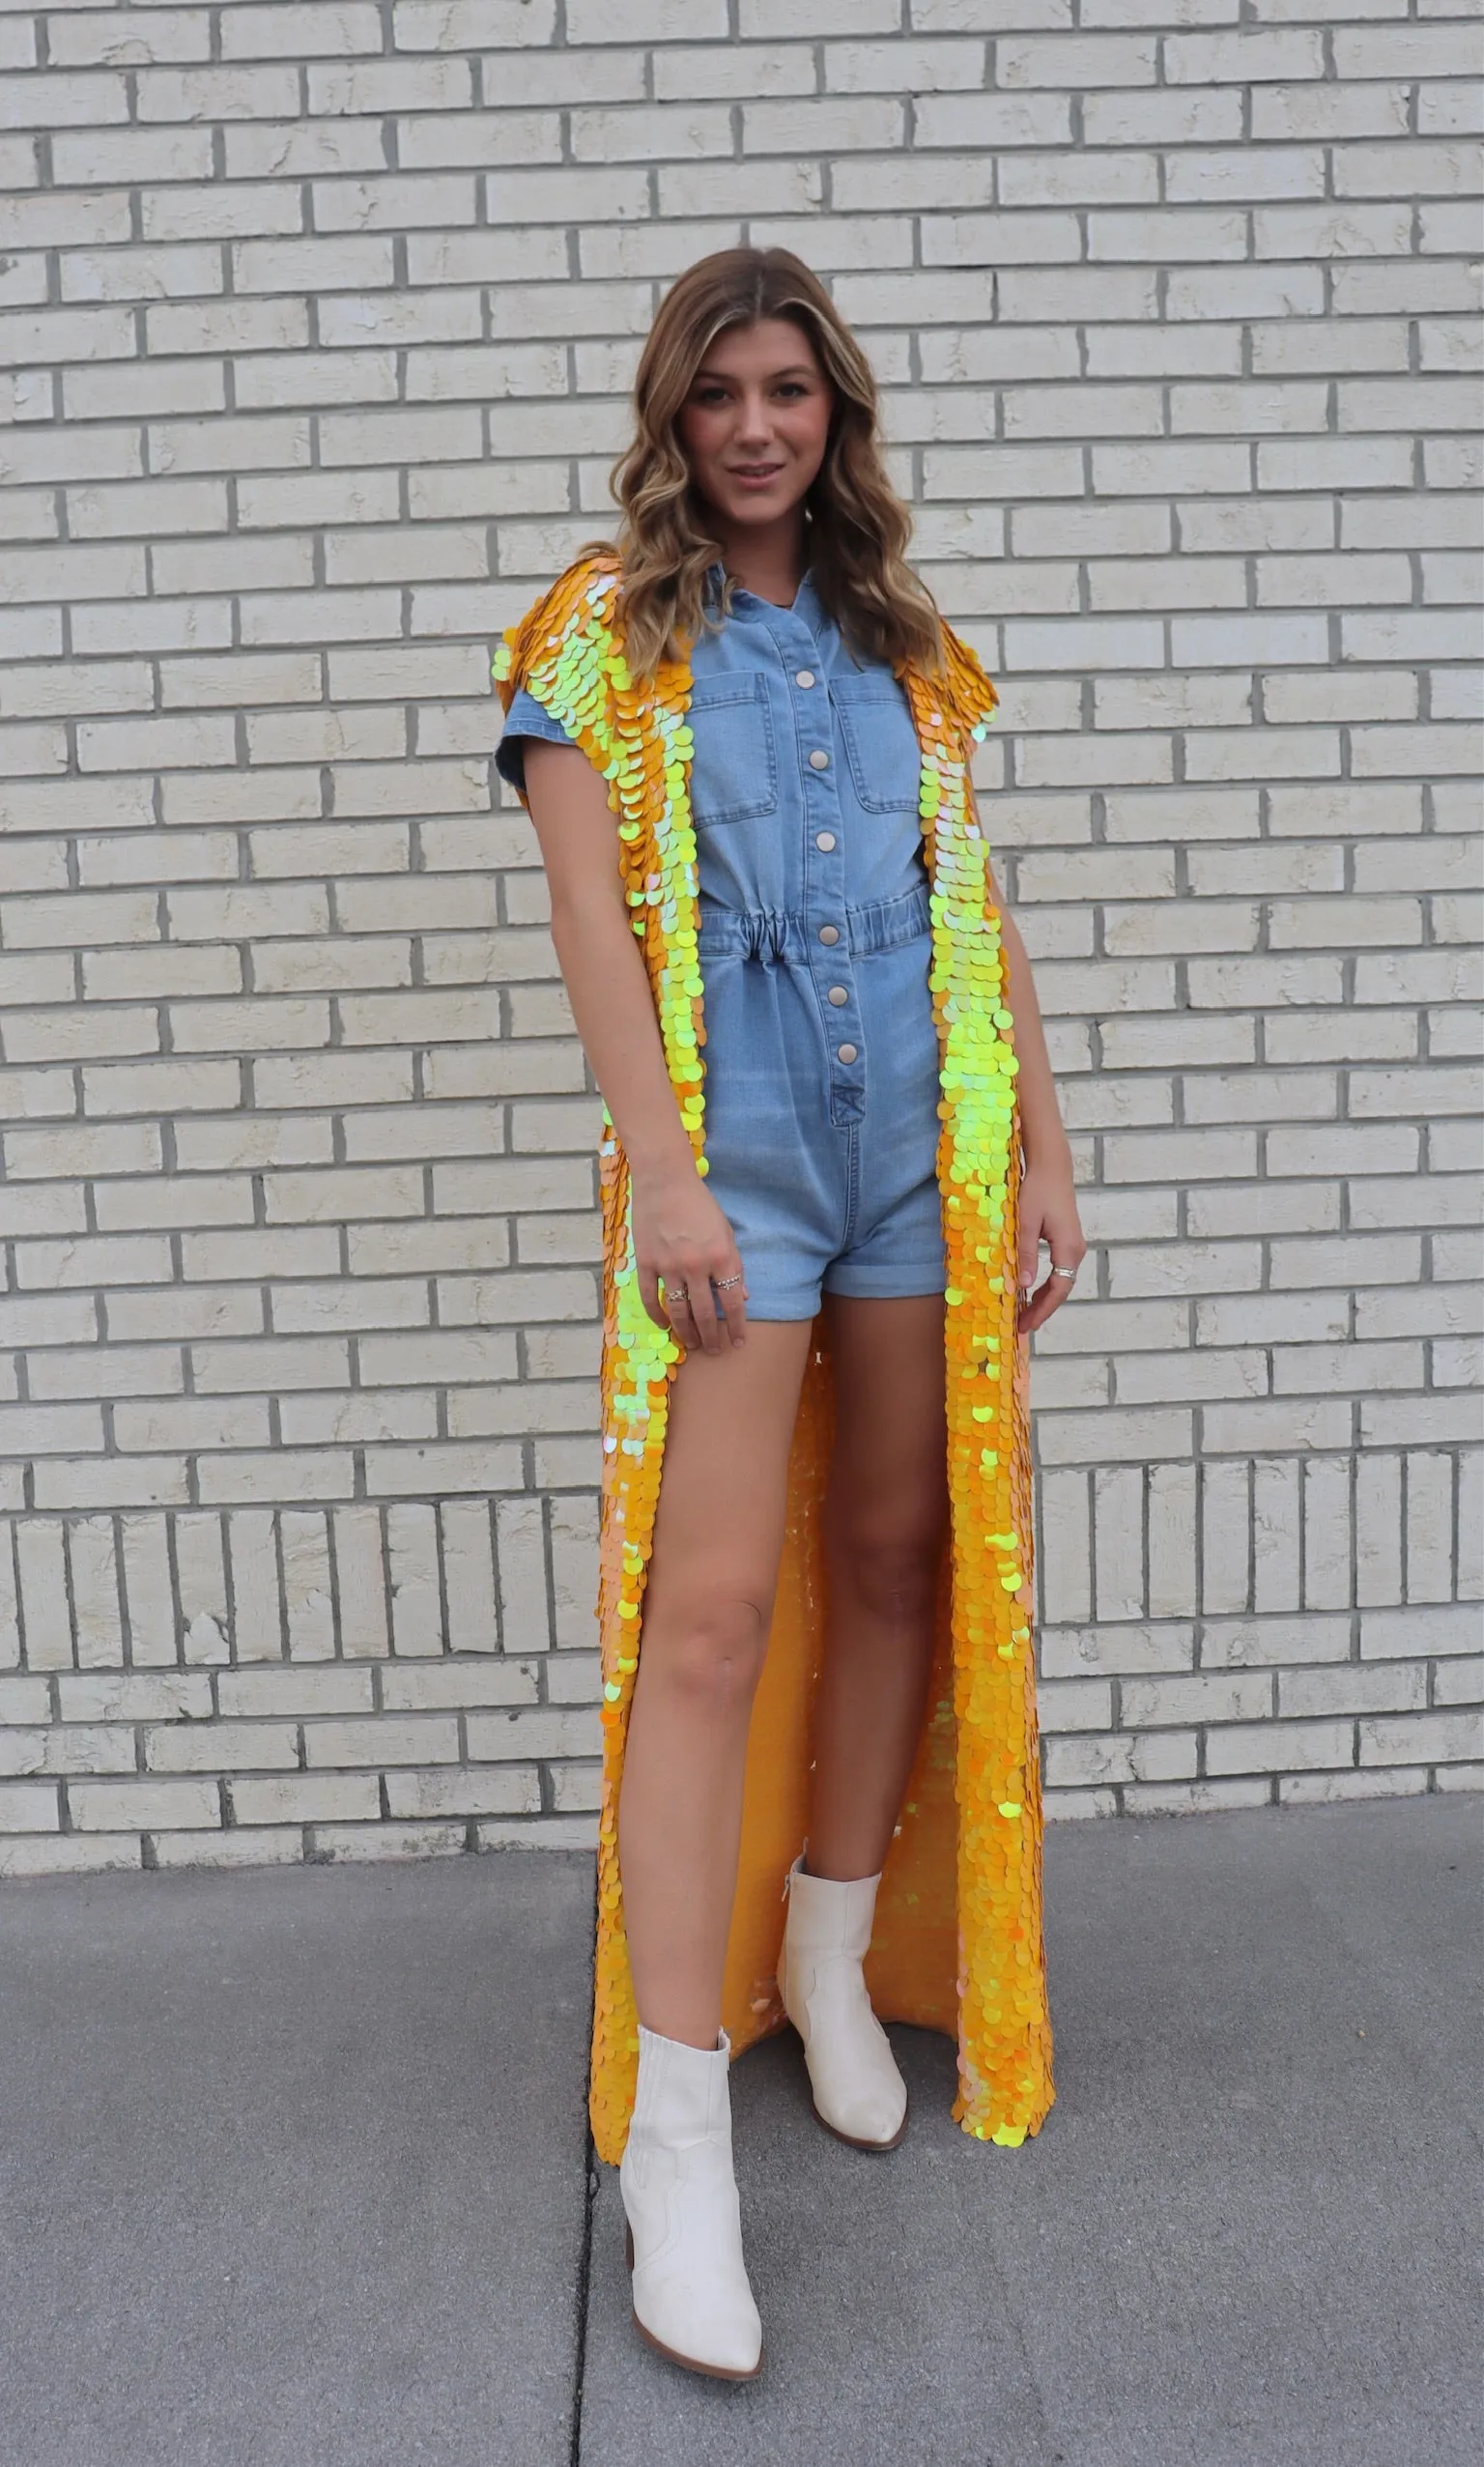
(722,1283)
(1069,1274)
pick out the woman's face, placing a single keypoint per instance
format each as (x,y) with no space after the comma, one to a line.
(756,422)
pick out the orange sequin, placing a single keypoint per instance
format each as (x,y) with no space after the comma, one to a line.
(957,1942)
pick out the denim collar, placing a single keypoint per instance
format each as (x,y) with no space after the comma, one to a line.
(806,605)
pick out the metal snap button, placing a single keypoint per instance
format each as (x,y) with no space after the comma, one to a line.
(824,840)
(846,1053)
(829,934)
(805,677)
(818,761)
(838,995)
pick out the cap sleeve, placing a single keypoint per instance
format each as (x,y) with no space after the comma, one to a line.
(525,717)
(541,669)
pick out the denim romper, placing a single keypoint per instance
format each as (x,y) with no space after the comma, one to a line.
(822,1052)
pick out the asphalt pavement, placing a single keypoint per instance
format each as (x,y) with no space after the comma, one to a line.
(293,2172)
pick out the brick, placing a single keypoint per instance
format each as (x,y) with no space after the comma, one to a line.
(387,1840)
(1356,1687)
(507,1738)
(423,25)
(96,1626)
(382,1740)
(265,1476)
(1460,1682)
(645,22)
(459,1683)
(103,1807)
(68,1854)
(28,1807)
(1330,1790)
(1195,1798)
(133,1696)
(1385,1634)
(246,1845)
(470,1575)
(73,1749)
(41,1563)
(222,1747)
(101,1483)
(1205,1695)
(1259,1747)
(556,1464)
(492,1790)
(1427,1738)
(149,1590)
(293,31)
(308,1597)
(1417,1421)
(304,1799)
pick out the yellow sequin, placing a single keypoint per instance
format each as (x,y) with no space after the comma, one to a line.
(958,1929)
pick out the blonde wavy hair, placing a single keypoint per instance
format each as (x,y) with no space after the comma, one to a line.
(858,527)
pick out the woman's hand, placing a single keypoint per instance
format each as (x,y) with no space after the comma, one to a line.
(680,1235)
(1049,1213)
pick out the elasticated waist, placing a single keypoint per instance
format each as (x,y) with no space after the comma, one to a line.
(766,933)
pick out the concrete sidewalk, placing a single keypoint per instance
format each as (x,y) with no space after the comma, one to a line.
(294,2175)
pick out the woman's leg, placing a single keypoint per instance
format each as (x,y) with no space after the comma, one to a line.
(719,1532)
(886,1512)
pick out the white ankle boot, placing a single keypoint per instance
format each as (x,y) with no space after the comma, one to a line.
(858,2091)
(692,2300)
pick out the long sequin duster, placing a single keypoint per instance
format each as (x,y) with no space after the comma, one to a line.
(958,1942)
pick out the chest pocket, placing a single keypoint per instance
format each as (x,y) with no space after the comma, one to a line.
(734,767)
(880,742)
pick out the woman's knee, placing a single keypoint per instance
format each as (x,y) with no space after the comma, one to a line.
(892,1571)
(708,1649)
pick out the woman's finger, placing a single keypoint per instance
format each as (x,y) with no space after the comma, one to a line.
(676,1305)
(650,1296)
(1037,1307)
(1058,1288)
(1028,1256)
(703,1312)
(731,1298)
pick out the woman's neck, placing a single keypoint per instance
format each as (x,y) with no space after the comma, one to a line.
(768,559)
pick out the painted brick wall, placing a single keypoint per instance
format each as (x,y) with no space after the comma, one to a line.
(315,324)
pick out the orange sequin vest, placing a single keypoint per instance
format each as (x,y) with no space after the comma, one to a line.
(957,1942)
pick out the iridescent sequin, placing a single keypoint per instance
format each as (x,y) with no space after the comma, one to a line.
(568,654)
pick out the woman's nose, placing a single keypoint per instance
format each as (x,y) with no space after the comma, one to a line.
(755,425)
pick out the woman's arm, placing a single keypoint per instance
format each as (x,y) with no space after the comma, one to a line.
(1048,1205)
(679,1231)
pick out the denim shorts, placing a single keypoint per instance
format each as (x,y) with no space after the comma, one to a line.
(830,1182)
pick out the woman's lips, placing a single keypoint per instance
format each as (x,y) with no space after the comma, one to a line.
(755,475)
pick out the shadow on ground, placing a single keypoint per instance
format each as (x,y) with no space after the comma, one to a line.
(295,2176)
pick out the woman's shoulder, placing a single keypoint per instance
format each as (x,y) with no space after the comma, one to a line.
(585,587)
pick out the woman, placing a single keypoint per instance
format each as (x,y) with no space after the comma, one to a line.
(762,691)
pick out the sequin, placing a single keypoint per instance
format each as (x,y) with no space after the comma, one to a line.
(959,1937)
